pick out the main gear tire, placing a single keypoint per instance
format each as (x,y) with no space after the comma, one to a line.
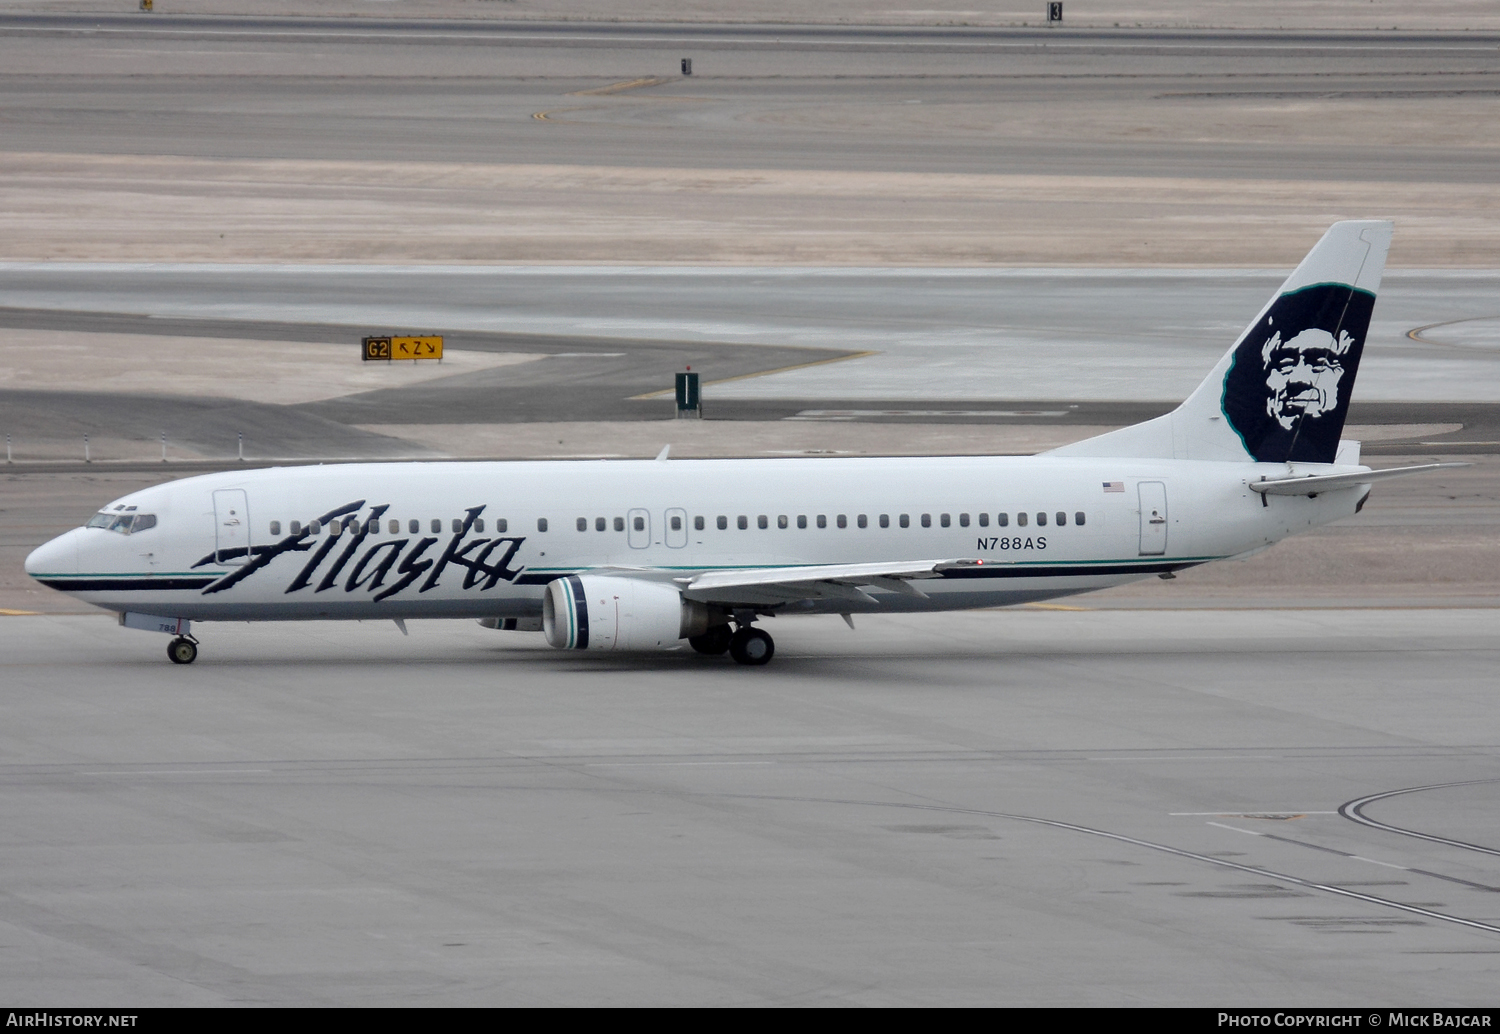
(751,646)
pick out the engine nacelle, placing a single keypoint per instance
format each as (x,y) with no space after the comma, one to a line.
(588,612)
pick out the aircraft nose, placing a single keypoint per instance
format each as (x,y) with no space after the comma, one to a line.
(60,556)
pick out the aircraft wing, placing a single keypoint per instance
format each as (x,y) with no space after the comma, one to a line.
(1316,483)
(769,586)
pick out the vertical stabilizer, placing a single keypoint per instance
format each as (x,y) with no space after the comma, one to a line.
(1282,392)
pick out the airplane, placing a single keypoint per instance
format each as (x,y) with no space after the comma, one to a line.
(631,555)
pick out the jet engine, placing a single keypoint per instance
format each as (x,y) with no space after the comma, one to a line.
(588,612)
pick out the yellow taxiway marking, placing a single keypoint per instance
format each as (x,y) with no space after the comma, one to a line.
(1416,332)
(546,116)
(761,373)
(621,87)
(1054,606)
(19,613)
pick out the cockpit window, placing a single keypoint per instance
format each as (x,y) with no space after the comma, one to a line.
(124,523)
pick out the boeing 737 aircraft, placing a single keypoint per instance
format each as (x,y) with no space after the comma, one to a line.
(644,555)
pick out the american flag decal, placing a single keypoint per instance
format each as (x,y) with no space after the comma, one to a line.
(1114,486)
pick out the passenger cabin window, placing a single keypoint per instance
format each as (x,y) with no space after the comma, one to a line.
(1002,519)
(501,524)
(906,520)
(314,528)
(885,520)
(600,524)
(1078,518)
(822,520)
(275,527)
(862,521)
(413,526)
(1062,518)
(802,520)
(675,523)
(945,520)
(723,522)
(437,525)
(781,521)
(639,523)
(393,526)
(619,524)
(1020,520)
(697,523)
(762,522)
(335,528)
(372,527)
(458,526)
(843,521)
(742,522)
(295,528)
(583,524)
(479,524)
(984,520)
(927,520)
(541,524)
(1041,519)
(963,520)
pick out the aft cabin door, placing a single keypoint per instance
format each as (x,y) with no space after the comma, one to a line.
(1153,518)
(231,526)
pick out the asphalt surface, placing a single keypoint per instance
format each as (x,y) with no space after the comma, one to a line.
(380,90)
(1019,808)
(1088,348)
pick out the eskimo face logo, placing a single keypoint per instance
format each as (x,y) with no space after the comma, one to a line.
(1303,374)
(1286,393)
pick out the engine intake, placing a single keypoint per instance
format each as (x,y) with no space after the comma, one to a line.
(589,612)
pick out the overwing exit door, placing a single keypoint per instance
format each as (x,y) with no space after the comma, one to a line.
(1153,496)
(640,529)
(231,526)
(677,529)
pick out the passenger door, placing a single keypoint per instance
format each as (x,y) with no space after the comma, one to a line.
(231,526)
(1153,495)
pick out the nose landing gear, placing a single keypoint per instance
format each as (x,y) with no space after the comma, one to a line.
(183,650)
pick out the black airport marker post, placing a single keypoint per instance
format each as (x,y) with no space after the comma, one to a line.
(687,66)
(689,403)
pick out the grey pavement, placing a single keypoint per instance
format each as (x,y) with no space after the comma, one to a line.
(299,88)
(1027,334)
(1025,807)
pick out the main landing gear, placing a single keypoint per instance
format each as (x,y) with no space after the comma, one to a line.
(183,650)
(751,645)
(747,644)
(715,642)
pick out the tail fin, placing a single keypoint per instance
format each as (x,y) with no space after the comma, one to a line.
(1282,392)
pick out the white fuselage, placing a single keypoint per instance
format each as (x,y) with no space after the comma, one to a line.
(468,539)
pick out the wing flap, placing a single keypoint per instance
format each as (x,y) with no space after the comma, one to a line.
(768,586)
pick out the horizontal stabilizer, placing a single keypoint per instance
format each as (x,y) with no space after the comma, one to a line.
(1315,484)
